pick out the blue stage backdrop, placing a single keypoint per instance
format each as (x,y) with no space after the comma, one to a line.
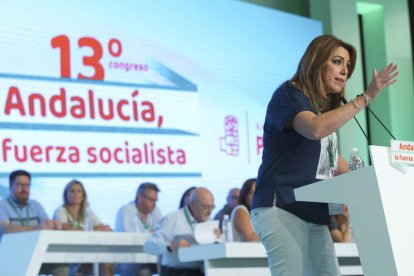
(115,93)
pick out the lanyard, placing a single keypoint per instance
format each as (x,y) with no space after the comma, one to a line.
(23,222)
(330,152)
(187,217)
(329,149)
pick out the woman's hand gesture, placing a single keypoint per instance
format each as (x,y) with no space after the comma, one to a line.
(381,80)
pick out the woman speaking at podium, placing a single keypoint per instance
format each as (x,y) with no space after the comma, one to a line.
(300,147)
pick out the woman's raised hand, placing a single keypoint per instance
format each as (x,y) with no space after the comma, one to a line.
(381,80)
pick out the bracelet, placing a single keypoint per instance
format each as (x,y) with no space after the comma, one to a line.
(355,104)
(366,98)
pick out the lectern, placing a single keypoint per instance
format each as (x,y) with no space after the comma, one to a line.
(380,199)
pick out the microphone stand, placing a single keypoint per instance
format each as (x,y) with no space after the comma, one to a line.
(379,121)
(344,101)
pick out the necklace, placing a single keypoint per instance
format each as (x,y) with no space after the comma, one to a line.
(144,222)
(74,222)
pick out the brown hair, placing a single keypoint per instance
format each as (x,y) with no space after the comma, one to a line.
(84,203)
(308,76)
(247,186)
(14,174)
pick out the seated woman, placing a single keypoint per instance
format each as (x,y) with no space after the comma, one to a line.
(340,227)
(240,216)
(75,214)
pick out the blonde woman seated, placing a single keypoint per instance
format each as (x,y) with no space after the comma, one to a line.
(240,216)
(76,215)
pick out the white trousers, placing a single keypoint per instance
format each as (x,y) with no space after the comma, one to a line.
(295,247)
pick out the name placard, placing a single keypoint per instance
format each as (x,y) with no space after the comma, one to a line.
(402,152)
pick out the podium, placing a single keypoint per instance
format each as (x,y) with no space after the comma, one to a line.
(379,199)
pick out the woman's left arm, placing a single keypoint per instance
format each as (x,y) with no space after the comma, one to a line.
(244,226)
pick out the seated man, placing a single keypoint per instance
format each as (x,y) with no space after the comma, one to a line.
(170,234)
(18,213)
(231,201)
(140,215)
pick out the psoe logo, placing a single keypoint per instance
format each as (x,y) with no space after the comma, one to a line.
(229,143)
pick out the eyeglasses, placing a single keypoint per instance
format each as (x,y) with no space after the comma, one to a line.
(22,185)
(206,206)
(150,199)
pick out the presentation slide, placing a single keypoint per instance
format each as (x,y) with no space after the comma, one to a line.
(116,93)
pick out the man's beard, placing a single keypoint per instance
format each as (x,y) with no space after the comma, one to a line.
(22,198)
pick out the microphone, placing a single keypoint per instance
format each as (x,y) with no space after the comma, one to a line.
(344,101)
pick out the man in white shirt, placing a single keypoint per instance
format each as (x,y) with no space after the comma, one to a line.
(140,216)
(171,232)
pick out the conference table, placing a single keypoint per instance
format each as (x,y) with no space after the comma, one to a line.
(21,254)
(249,258)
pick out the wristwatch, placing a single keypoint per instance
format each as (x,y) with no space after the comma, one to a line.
(169,249)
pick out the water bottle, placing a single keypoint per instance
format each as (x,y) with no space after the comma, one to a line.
(87,221)
(351,233)
(355,160)
(88,225)
(227,229)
